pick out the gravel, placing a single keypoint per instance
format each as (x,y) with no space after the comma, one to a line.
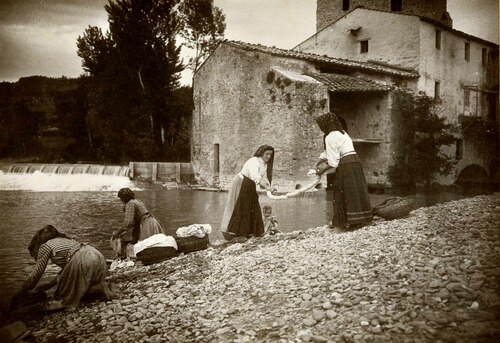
(430,277)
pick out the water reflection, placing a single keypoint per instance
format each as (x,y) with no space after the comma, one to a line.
(91,216)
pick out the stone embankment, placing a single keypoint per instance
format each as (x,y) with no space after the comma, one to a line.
(431,277)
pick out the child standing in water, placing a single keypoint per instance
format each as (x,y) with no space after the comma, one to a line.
(270,221)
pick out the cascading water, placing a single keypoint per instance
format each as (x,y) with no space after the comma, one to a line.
(64,177)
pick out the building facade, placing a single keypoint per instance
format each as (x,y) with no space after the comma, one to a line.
(460,69)
(246,95)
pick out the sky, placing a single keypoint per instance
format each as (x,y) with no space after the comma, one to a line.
(38,37)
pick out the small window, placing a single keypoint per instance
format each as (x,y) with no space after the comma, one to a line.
(216,159)
(467,51)
(466,97)
(459,149)
(345,5)
(396,5)
(438,39)
(437,89)
(484,56)
(363,46)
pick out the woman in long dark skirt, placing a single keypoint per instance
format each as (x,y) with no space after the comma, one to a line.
(351,203)
(242,214)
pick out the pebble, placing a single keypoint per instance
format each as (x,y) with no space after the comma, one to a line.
(424,278)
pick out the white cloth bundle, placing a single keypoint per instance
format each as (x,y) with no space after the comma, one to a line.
(120,264)
(306,188)
(317,179)
(198,230)
(276,197)
(158,240)
(116,244)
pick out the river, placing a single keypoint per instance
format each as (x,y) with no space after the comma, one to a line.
(86,208)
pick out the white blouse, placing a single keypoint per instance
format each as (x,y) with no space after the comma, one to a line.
(255,169)
(337,145)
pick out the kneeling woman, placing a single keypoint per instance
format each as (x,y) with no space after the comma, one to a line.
(139,224)
(83,267)
(242,214)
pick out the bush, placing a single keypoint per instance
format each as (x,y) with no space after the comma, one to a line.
(422,133)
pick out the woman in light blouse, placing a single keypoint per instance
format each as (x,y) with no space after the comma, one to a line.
(351,203)
(242,214)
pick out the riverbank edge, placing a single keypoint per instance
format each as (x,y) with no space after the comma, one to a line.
(140,277)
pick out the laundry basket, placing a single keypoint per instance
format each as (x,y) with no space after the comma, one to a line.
(156,254)
(191,243)
(394,208)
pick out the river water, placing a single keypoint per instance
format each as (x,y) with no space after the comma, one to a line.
(86,208)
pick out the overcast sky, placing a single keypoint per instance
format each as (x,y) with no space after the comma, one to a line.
(38,37)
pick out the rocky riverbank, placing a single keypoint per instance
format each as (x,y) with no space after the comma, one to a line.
(433,276)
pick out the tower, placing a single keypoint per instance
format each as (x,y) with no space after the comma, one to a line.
(328,11)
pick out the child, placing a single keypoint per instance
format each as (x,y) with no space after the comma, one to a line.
(270,222)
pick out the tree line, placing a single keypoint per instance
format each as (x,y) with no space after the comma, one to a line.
(129,103)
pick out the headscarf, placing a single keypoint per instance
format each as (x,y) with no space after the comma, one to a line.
(42,236)
(126,194)
(329,122)
(260,151)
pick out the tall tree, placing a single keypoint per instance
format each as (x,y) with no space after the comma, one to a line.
(204,26)
(136,67)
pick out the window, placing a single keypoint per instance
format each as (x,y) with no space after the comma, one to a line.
(467,51)
(437,90)
(345,5)
(484,56)
(396,5)
(467,97)
(438,39)
(216,159)
(459,149)
(363,46)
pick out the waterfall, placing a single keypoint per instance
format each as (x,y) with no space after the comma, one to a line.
(64,177)
(95,169)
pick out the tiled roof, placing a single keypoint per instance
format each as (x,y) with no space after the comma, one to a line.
(339,62)
(345,83)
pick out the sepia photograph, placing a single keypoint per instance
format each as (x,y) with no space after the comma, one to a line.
(249,171)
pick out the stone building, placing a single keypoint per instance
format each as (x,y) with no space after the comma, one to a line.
(246,95)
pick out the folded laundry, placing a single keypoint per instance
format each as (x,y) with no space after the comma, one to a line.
(158,240)
(198,230)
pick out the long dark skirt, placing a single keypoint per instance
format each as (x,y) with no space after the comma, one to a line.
(242,215)
(351,203)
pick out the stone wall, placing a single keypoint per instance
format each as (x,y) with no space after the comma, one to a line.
(456,76)
(368,119)
(242,100)
(328,11)
(392,39)
(161,171)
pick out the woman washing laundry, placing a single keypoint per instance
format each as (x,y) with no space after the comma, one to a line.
(351,203)
(138,224)
(83,268)
(242,214)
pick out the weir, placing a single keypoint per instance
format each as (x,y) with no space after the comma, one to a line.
(94,169)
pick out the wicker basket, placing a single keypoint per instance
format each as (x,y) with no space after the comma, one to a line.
(191,243)
(394,208)
(156,254)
